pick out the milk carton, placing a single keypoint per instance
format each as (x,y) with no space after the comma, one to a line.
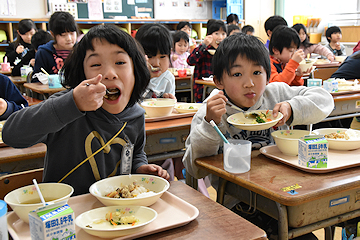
(331,85)
(313,151)
(25,70)
(52,222)
(314,82)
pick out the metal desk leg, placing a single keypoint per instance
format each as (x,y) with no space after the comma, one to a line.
(283,228)
(329,233)
(191,181)
(221,191)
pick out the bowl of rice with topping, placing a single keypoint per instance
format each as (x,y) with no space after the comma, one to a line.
(340,138)
(126,190)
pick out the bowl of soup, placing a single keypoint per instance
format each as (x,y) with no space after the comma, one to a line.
(158,107)
(288,140)
(26,199)
(306,64)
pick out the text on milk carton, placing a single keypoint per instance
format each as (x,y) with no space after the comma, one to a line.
(313,151)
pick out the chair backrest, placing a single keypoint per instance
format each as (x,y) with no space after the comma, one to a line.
(17,180)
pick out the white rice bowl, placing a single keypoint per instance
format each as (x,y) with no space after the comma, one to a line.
(156,186)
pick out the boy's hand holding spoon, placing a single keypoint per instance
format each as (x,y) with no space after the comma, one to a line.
(89,94)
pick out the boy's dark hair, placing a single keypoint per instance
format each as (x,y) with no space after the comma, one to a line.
(61,22)
(24,26)
(232,17)
(180,35)
(231,28)
(272,22)
(283,37)
(39,38)
(155,38)
(247,28)
(330,31)
(182,24)
(247,46)
(215,25)
(298,27)
(73,68)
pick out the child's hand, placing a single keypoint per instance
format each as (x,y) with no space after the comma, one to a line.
(3,106)
(19,49)
(331,58)
(168,95)
(298,56)
(175,57)
(215,107)
(208,40)
(285,109)
(154,170)
(32,62)
(337,46)
(89,94)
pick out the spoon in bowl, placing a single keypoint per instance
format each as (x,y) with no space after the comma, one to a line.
(39,192)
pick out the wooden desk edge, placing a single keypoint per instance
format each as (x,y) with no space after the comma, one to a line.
(37,151)
(287,201)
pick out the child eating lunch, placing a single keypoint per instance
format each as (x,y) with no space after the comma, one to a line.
(180,52)
(157,43)
(201,57)
(95,127)
(241,75)
(285,56)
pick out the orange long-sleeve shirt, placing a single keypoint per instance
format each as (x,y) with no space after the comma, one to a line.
(286,74)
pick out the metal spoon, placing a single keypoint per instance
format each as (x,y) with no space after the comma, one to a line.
(236,108)
(108,92)
(154,69)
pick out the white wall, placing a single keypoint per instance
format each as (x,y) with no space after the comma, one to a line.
(164,9)
(29,9)
(37,9)
(330,11)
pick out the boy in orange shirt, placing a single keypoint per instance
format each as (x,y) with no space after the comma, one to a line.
(285,57)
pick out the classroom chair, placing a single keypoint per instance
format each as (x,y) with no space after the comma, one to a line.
(3,37)
(14,181)
(324,73)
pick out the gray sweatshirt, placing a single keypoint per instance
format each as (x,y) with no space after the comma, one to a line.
(309,105)
(71,136)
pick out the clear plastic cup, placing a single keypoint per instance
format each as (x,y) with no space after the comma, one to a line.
(237,156)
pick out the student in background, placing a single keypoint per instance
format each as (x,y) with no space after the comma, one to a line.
(186,27)
(231,29)
(180,52)
(201,57)
(39,38)
(285,56)
(350,68)
(232,18)
(333,36)
(157,43)
(248,29)
(241,74)
(20,52)
(309,47)
(11,99)
(271,23)
(51,56)
(84,118)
